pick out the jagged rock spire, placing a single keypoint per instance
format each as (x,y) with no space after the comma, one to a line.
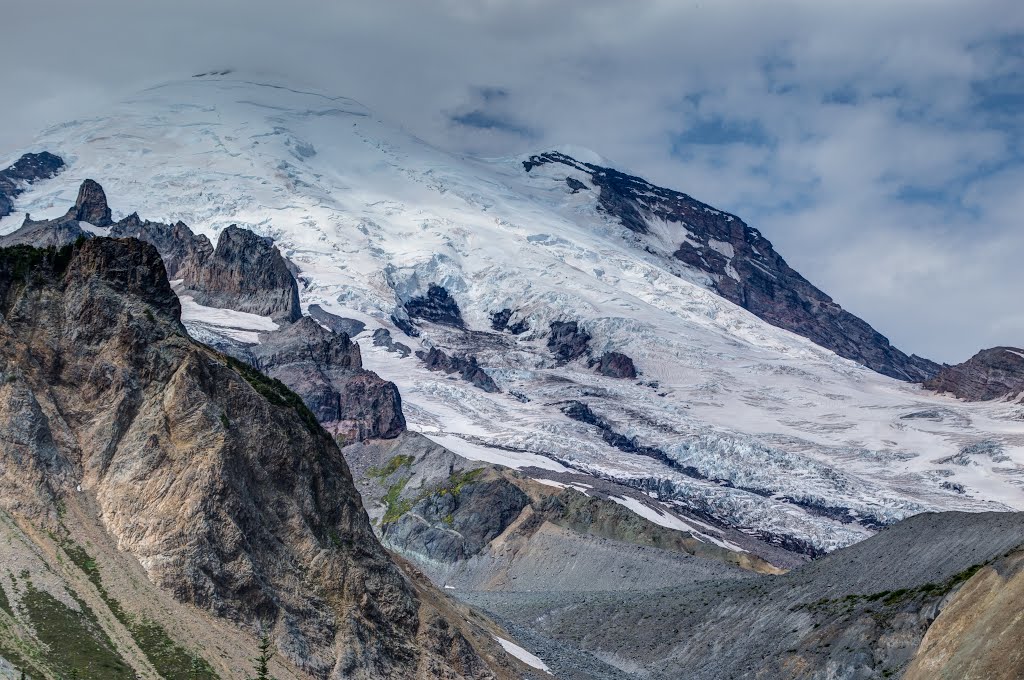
(91,205)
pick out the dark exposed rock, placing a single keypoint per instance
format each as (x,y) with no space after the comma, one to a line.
(45,233)
(568,341)
(576,185)
(744,268)
(990,374)
(466,367)
(326,370)
(436,306)
(500,319)
(338,324)
(519,327)
(406,326)
(28,169)
(244,272)
(458,523)
(91,205)
(615,365)
(382,338)
(248,273)
(577,410)
(63,230)
(184,253)
(213,477)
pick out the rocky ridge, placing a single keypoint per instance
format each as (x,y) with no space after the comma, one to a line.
(30,168)
(217,480)
(741,265)
(990,374)
(247,273)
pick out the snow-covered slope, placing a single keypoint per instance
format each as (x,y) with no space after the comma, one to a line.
(748,423)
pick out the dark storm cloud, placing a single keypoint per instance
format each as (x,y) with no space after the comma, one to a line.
(879,144)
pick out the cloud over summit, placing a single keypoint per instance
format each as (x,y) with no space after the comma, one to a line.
(878,144)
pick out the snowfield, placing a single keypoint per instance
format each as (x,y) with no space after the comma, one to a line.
(762,429)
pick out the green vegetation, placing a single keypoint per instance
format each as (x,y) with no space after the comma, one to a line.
(391,467)
(224,421)
(5,604)
(77,644)
(459,480)
(398,506)
(19,261)
(172,661)
(891,598)
(261,664)
(16,658)
(274,391)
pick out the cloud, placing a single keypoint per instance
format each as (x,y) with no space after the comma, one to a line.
(878,144)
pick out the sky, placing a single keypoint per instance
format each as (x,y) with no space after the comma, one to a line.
(878,144)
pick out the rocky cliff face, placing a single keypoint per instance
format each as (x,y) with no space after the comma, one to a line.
(91,205)
(183,252)
(247,273)
(215,478)
(989,374)
(742,265)
(978,634)
(30,168)
(326,370)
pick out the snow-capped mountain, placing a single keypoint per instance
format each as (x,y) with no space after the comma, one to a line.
(535,275)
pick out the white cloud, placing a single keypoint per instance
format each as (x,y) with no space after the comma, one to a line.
(836,113)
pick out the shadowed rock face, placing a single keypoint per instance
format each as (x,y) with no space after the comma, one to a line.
(457,524)
(215,478)
(91,205)
(615,365)
(30,168)
(326,370)
(436,306)
(247,273)
(382,338)
(568,341)
(743,267)
(250,272)
(244,272)
(466,367)
(500,322)
(989,374)
(45,233)
(338,324)
(183,252)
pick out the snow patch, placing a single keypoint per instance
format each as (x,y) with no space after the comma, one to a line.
(523,655)
(240,326)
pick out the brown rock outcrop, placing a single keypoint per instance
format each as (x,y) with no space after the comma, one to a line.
(989,374)
(217,479)
(743,267)
(326,370)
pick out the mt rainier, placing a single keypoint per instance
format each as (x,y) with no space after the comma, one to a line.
(544,271)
